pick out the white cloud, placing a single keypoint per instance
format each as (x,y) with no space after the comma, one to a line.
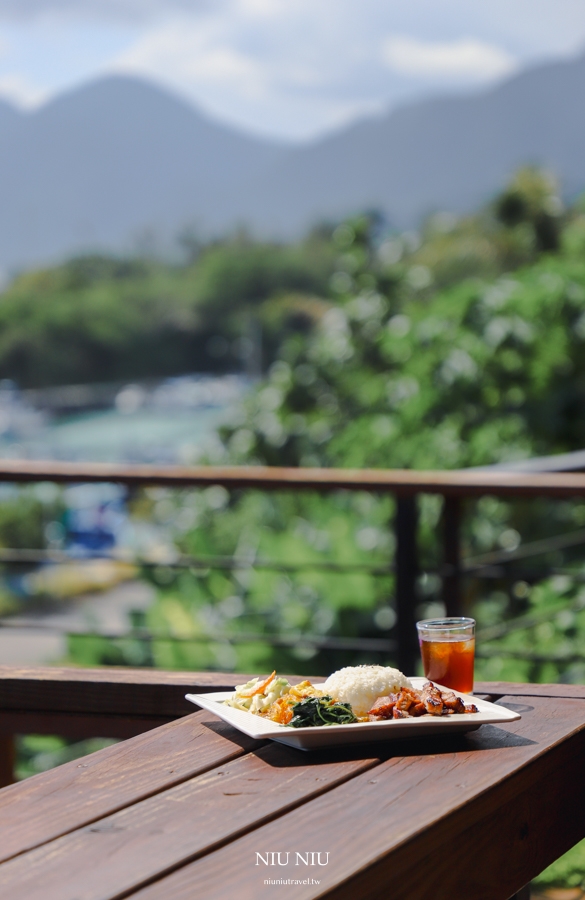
(299,70)
(293,69)
(263,9)
(239,73)
(465,58)
(97,10)
(21,92)
(194,58)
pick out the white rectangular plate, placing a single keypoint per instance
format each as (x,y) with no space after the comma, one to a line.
(360,732)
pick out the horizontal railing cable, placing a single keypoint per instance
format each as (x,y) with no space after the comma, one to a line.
(230,563)
(470,565)
(526,480)
(534,548)
(320,642)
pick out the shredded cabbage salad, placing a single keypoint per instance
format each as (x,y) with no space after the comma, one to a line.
(258,694)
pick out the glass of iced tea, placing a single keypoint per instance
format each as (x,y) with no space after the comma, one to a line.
(447,647)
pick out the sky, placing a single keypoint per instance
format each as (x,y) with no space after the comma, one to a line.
(291,70)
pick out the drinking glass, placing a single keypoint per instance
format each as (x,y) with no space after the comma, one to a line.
(447,647)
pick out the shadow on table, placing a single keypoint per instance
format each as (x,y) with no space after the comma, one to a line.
(487,737)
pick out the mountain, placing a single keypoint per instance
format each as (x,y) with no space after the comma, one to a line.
(9,117)
(100,166)
(448,153)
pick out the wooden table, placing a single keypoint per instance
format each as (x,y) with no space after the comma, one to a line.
(193,810)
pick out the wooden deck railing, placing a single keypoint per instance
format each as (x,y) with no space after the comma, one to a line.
(513,482)
(83,703)
(404,484)
(107,704)
(120,703)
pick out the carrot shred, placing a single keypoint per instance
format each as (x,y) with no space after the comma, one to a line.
(259,688)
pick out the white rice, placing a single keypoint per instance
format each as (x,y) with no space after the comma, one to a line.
(362,685)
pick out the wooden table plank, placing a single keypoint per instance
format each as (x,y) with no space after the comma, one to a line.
(491,791)
(56,802)
(144,693)
(77,726)
(111,691)
(175,826)
(106,702)
(508,688)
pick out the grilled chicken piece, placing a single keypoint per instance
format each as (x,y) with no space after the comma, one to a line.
(383,707)
(405,700)
(430,688)
(432,699)
(412,693)
(434,707)
(409,702)
(452,702)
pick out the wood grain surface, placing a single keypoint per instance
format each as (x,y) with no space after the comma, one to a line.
(140,693)
(174,826)
(78,726)
(135,692)
(150,696)
(56,802)
(474,817)
(507,688)
(182,811)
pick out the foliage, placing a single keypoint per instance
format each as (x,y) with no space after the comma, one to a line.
(100,318)
(405,377)
(28,518)
(25,515)
(429,353)
(250,602)
(461,346)
(566,872)
(544,640)
(531,202)
(40,752)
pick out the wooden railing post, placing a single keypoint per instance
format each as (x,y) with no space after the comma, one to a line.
(7,758)
(451,526)
(406,569)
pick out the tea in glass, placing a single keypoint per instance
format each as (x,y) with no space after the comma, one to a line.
(447,649)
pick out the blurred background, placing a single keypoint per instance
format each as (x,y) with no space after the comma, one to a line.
(339,234)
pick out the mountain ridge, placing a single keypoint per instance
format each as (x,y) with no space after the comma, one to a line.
(510,129)
(100,165)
